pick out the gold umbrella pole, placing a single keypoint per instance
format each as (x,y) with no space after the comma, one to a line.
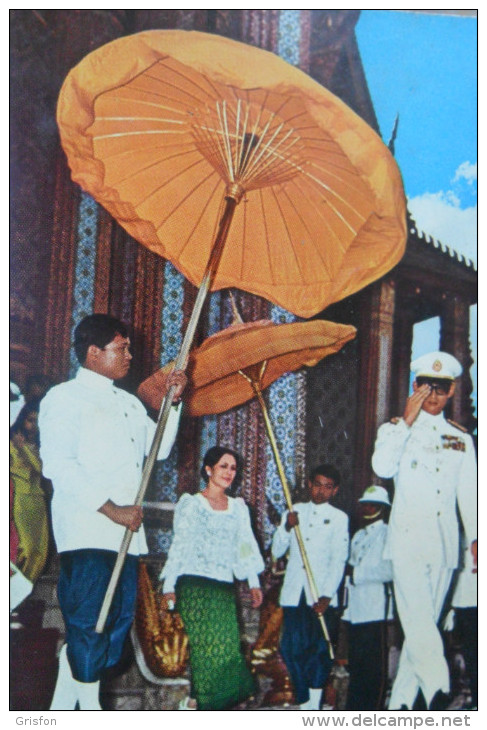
(232,198)
(287,495)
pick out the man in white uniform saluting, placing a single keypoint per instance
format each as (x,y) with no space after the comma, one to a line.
(433,464)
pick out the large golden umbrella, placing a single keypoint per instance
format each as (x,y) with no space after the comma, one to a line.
(188,139)
(238,363)
(168,128)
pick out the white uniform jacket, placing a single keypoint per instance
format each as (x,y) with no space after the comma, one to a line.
(434,468)
(94,437)
(326,538)
(366,595)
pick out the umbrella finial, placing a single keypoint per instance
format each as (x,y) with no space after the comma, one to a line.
(237,317)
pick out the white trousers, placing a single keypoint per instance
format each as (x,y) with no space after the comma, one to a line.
(420,592)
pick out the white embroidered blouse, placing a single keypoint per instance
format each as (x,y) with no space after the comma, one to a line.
(217,544)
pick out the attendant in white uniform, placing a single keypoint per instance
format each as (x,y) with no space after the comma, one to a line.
(369,604)
(433,464)
(94,437)
(324,529)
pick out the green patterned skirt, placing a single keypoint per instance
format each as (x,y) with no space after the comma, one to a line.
(219,675)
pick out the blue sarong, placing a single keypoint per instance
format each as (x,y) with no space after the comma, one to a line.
(83,580)
(304,649)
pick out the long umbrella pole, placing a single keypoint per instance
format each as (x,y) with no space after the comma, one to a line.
(180,364)
(288,498)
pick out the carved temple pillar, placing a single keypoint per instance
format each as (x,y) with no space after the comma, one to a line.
(455,339)
(376,332)
(403,345)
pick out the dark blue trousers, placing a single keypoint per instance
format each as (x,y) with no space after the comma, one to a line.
(83,580)
(466,625)
(304,648)
(367,665)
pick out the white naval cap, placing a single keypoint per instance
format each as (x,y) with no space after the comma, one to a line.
(375,494)
(436,365)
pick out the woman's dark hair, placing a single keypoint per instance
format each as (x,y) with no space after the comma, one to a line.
(96,329)
(214,455)
(32,406)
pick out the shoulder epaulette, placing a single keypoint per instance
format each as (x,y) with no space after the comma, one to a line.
(395,420)
(457,425)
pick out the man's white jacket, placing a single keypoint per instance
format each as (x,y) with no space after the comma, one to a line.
(94,438)
(434,468)
(326,538)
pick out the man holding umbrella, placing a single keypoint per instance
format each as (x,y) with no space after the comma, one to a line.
(94,437)
(325,533)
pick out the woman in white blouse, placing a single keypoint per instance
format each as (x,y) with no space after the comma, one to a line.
(213,543)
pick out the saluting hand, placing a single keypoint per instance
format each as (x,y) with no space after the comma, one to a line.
(415,402)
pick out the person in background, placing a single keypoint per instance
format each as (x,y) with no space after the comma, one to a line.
(324,529)
(29,500)
(369,604)
(463,618)
(433,464)
(36,387)
(213,543)
(94,438)
(17,401)
(19,586)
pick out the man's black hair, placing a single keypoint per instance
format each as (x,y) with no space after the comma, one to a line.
(96,329)
(328,471)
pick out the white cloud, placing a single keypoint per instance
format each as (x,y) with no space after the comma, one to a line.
(440,216)
(466,171)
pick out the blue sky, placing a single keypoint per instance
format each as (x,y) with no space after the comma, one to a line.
(424,68)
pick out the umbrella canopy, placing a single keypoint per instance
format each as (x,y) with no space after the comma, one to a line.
(161,126)
(214,368)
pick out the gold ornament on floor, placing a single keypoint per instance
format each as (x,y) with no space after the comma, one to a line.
(160,632)
(265,659)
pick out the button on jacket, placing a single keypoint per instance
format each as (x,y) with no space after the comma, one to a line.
(434,467)
(325,534)
(94,437)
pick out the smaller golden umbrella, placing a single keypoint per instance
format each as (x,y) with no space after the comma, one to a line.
(238,363)
(215,381)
